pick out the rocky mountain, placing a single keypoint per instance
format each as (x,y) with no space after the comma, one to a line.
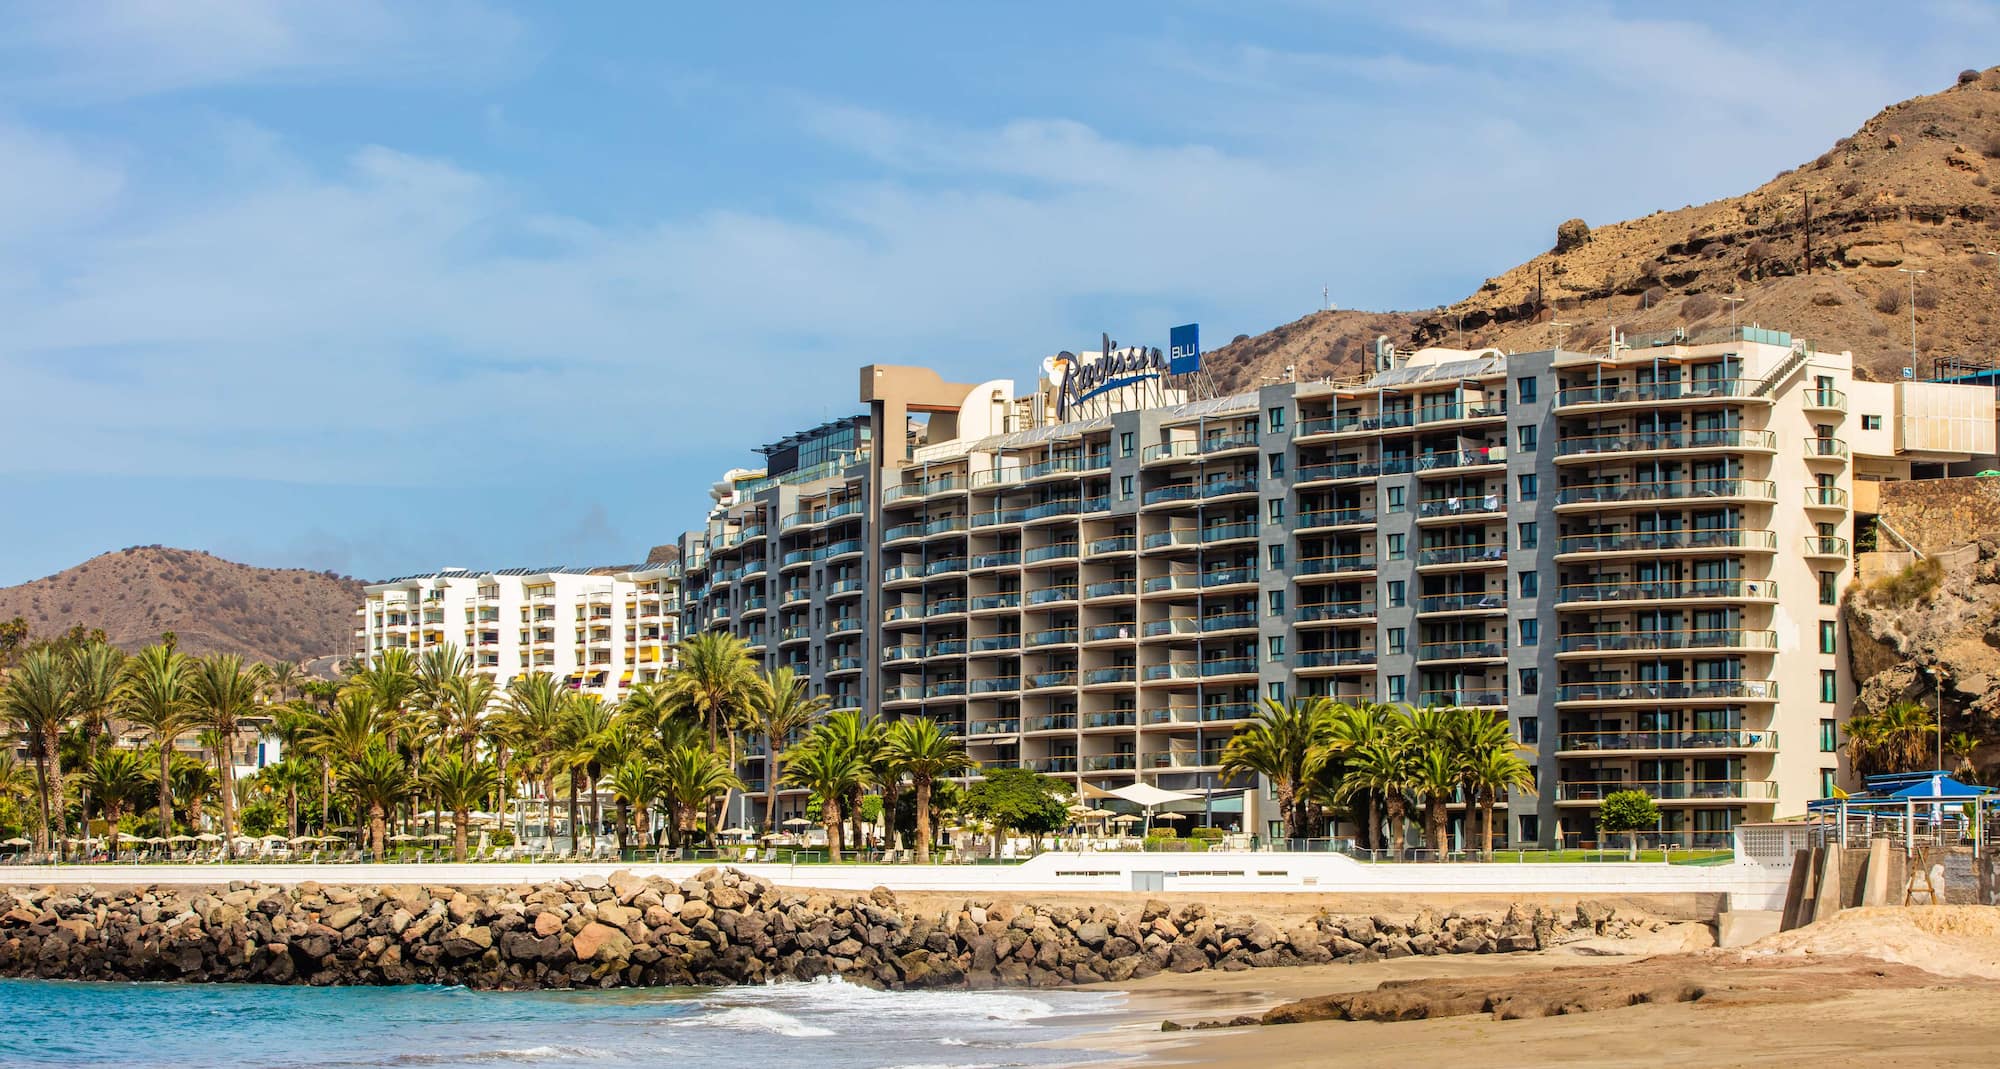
(1815,251)
(134,594)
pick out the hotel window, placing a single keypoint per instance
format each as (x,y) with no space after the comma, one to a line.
(1395,498)
(1396,598)
(1125,444)
(1277,555)
(1871,423)
(1829,590)
(1531,829)
(1826,782)
(1531,681)
(1397,641)
(1274,508)
(1529,535)
(1275,648)
(1530,730)
(1275,691)
(1277,465)
(1526,437)
(1828,635)
(1396,547)
(1124,487)
(1529,486)
(1277,602)
(1275,419)
(1829,685)
(1829,736)
(1531,632)
(1529,583)
(1524,389)
(1397,690)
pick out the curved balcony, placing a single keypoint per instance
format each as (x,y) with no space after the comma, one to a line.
(1110,588)
(993,727)
(1655,542)
(1060,551)
(1833,449)
(1668,590)
(1328,519)
(1461,651)
(1100,547)
(1124,673)
(1188,447)
(907,492)
(909,651)
(1054,636)
(1601,644)
(850,547)
(1048,680)
(846,588)
(1658,393)
(1116,718)
(1700,490)
(1054,595)
(1120,631)
(909,531)
(1670,791)
(1581,743)
(949,647)
(1001,602)
(1826,497)
(1823,399)
(1677,690)
(1596,447)
(980,562)
(993,644)
(1826,546)
(994,685)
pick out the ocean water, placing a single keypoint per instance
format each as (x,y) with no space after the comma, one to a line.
(825,1024)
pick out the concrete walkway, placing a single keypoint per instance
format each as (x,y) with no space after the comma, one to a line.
(1750,885)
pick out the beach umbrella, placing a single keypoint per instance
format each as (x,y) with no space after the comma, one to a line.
(402,837)
(301,840)
(1169,816)
(798,822)
(155,841)
(272,838)
(1100,814)
(17,841)
(180,838)
(1126,818)
(208,837)
(436,837)
(737,832)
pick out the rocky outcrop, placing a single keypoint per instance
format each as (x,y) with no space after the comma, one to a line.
(718,927)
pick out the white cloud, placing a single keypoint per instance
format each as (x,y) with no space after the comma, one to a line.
(123,48)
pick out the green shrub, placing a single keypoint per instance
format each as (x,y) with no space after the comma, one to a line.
(1908,587)
(1208,835)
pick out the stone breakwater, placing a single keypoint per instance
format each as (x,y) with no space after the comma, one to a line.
(719,927)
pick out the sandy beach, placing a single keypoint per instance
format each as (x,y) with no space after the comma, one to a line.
(1857,988)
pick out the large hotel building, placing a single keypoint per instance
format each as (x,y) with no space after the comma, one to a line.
(1637,556)
(599,630)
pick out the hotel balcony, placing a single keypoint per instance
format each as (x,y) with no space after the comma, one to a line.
(1188,538)
(1653,543)
(1181,450)
(980,562)
(977,728)
(1118,632)
(1336,564)
(1666,590)
(1331,519)
(1053,636)
(1650,394)
(1830,449)
(994,685)
(1439,558)
(1188,493)
(1004,601)
(1192,715)
(1059,551)
(1473,601)
(1115,718)
(1594,448)
(1336,612)
(912,492)
(910,532)
(845,588)
(1670,792)
(1336,472)
(1826,497)
(1034,725)
(1467,697)
(1826,546)
(1610,644)
(1445,509)
(1640,743)
(1461,651)
(1700,491)
(1823,399)
(1113,544)
(1615,692)
(1317,662)
(993,645)
(1115,762)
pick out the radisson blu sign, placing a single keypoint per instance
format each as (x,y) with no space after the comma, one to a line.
(1081,381)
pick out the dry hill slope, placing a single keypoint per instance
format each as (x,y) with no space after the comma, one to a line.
(211,604)
(1917,186)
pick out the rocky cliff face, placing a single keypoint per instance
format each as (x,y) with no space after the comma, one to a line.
(718,927)
(1946,627)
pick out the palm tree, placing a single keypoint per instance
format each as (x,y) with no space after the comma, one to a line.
(926,754)
(460,707)
(1348,728)
(156,695)
(828,772)
(285,679)
(638,785)
(1491,772)
(1866,742)
(1908,729)
(1286,744)
(17,781)
(1436,775)
(532,719)
(691,777)
(38,701)
(1961,746)
(225,692)
(715,678)
(780,707)
(116,777)
(461,786)
(377,782)
(588,731)
(855,733)
(94,672)
(1384,766)
(194,781)
(435,670)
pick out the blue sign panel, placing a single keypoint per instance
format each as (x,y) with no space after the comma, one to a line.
(1184,349)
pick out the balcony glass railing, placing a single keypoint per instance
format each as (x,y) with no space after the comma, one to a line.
(1348,562)
(1648,641)
(1332,518)
(1598,741)
(1432,508)
(1672,790)
(946,607)
(1342,469)
(1111,588)
(905,652)
(1472,601)
(1102,632)
(1117,718)
(1612,493)
(1461,410)
(1465,697)
(1052,636)
(1460,651)
(1692,390)
(1825,399)
(1228,576)
(1825,497)
(1347,424)
(1826,546)
(1669,589)
(1057,722)
(1010,599)
(1113,544)
(995,560)
(1199,714)
(993,727)
(838,549)
(1334,610)
(996,685)
(950,647)
(1655,541)
(1228,621)
(1635,690)
(1711,438)
(1110,762)
(1335,658)
(990,643)
(947,688)
(1050,595)
(1124,673)
(1050,764)
(1481,554)
(1059,551)
(1826,448)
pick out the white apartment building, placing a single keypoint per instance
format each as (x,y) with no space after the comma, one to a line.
(600,630)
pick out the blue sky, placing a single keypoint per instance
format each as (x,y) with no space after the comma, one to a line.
(380,287)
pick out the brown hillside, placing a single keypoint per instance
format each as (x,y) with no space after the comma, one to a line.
(266,614)
(1917,186)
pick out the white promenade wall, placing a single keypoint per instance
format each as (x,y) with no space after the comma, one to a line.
(1750,886)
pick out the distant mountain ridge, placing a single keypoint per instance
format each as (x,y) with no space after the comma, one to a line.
(211,604)
(1815,251)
